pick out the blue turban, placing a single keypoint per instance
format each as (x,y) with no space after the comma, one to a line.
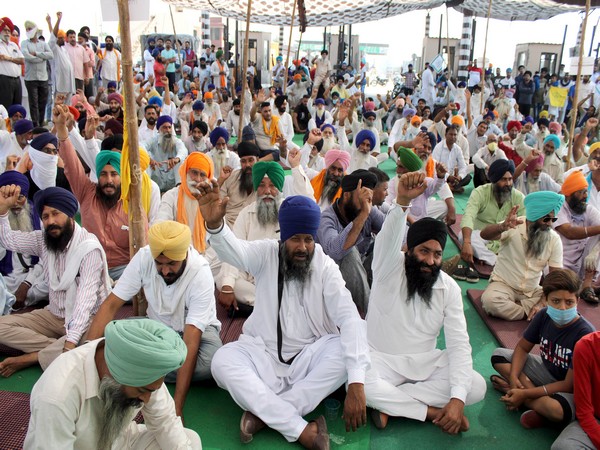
(279,58)
(370,114)
(432,139)
(162,120)
(210,87)
(365,135)
(407,111)
(22,126)
(462,84)
(319,101)
(328,125)
(298,215)
(58,198)
(218,132)
(156,100)
(151,40)
(248,133)
(499,167)
(554,139)
(541,203)
(111,84)
(528,119)
(13,109)
(13,177)
(108,157)
(40,141)
(198,105)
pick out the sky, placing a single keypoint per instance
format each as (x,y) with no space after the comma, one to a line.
(404,34)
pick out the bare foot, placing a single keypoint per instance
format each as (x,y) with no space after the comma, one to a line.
(380,419)
(500,384)
(308,435)
(12,365)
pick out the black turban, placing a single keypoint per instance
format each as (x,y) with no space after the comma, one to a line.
(350,181)
(499,167)
(426,229)
(112,142)
(246,148)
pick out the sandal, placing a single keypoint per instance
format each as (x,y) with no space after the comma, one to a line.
(589,296)
(460,273)
(472,276)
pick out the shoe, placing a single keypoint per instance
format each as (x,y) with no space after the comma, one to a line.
(379,423)
(460,273)
(450,265)
(249,424)
(531,419)
(471,275)
(321,442)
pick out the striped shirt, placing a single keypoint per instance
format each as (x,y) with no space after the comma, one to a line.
(91,291)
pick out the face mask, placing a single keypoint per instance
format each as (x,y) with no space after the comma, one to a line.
(561,317)
(5,38)
(492,146)
(32,33)
(334,101)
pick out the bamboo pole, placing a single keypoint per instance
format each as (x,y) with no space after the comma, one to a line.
(487,26)
(137,231)
(287,58)
(577,84)
(176,41)
(244,78)
(448,53)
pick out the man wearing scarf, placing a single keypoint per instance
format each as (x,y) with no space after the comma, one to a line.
(179,288)
(36,53)
(11,60)
(327,183)
(14,145)
(527,247)
(75,269)
(88,398)
(219,70)
(23,274)
(167,152)
(265,124)
(299,346)
(411,301)
(102,210)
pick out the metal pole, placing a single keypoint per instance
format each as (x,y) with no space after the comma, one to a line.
(440,35)
(245,66)
(562,49)
(287,58)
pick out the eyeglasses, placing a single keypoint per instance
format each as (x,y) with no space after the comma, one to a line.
(549,219)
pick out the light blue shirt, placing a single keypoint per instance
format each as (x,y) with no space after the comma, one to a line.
(35,66)
(168,54)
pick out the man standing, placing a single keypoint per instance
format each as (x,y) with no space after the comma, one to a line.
(110,62)
(64,79)
(36,54)
(149,59)
(190,55)
(169,56)
(410,79)
(219,71)
(323,71)
(11,60)
(88,399)
(80,59)
(526,249)
(76,272)
(411,301)
(179,289)
(280,370)
(83,39)
(428,86)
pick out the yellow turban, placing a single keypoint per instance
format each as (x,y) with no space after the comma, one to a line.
(595,146)
(169,238)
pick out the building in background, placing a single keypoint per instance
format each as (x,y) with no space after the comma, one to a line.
(536,55)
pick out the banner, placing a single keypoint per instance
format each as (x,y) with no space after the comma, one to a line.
(558,96)
(138,10)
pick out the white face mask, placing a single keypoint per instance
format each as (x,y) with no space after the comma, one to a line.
(492,146)
(32,33)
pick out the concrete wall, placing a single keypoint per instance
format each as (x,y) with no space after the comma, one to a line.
(529,55)
(430,51)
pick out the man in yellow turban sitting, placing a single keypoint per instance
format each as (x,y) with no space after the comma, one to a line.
(179,288)
(89,396)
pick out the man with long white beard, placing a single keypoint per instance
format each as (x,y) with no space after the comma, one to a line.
(166,154)
(74,268)
(258,220)
(411,301)
(328,133)
(212,111)
(529,175)
(319,115)
(527,247)
(361,158)
(222,158)
(90,396)
(23,274)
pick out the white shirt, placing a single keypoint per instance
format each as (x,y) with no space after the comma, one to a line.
(149,66)
(8,68)
(66,411)
(8,146)
(483,159)
(195,287)
(286,125)
(62,71)
(451,158)
(109,65)
(232,123)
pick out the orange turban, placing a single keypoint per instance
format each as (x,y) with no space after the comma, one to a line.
(574,182)
(415,120)
(297,77)
(199,161)
(208,95)
(458,120)
(61,34)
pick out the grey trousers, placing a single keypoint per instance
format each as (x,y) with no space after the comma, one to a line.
(573,438)
(355,275)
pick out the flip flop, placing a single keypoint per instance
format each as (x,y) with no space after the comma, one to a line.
(499,384)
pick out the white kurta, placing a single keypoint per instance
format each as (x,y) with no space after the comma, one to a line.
(64,78)
(8,147)
(409,373)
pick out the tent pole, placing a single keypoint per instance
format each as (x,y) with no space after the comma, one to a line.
(176,40)
(243,75)
(577,84)
(287,58)
(482,81)
(137,232)
(562,49)
(448,53)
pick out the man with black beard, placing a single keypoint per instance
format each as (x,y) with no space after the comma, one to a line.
(346,231)
(578,225)
(148,129)
(305,337)
(258,220)
(166,152)
(89,397)
(487,205)
(411,301)
(74,268)
(527,247)
(179,289)
(102,210)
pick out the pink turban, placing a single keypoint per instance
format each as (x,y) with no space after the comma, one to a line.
(554,127)
(334,155)
(369,106)
(539,161)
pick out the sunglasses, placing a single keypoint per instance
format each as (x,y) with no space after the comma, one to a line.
(549,219)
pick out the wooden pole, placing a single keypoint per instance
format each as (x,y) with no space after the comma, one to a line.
(137,231)
(577,83)
(287,58)
(448,53)
(176,40)
(487,26)
(245,66)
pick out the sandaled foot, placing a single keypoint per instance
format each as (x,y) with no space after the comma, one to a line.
(589,296)
(500,384)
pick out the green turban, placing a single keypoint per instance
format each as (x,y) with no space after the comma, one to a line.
(108,157)
(269,169)
(409,159)
(219,54)
(541,203)
(139,352)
